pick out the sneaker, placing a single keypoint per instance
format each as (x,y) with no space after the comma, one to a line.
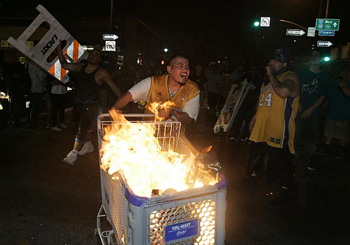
(233,139)
(72,156)
(87,148)
(57,129)
(244,139)
(340,155)
(311,166)
(323,150)
(63,125)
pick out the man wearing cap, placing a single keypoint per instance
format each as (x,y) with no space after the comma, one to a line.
(273,126)
(90,77)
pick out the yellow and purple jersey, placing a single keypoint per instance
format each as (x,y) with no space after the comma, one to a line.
(275,118)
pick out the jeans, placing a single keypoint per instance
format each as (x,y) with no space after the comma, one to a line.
(86,115)
(275,162)
(307,135)
(36,102)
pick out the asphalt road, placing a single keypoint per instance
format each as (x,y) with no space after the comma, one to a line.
(45,201)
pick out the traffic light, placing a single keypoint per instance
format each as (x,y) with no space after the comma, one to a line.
(256,23)
(326,59)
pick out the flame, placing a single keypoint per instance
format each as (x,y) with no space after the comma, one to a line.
(156,108)
(134,149)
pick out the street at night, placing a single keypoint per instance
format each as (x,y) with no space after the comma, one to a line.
(260,89)
(46,201)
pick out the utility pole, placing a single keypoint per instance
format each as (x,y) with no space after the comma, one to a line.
(327,7)
(320,9)
(111,17)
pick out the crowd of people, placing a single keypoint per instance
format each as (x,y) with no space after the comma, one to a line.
(297,117)
(30,89)
(291,114)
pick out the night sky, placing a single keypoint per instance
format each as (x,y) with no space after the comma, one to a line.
(218,28)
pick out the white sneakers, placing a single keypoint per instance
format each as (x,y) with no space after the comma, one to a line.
(57,129)
(87,148)
(71,157)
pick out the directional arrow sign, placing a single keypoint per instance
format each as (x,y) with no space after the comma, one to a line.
(323,44)
(295,32)
(109,37)
(327,24)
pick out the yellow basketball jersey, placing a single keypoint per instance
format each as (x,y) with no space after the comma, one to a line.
(275,118)
(159,91)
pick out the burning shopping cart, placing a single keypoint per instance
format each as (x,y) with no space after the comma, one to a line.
(157,200)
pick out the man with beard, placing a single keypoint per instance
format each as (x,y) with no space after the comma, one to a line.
(273,126)
(90,78)
(174,86)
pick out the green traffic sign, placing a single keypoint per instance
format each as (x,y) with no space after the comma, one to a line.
(327,24)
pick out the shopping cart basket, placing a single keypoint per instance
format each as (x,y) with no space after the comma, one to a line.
(193,216)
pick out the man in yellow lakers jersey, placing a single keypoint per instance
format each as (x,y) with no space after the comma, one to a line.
(273,126)
(174,86)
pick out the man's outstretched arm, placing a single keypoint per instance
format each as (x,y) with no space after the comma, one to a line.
(123,101)
(105,77)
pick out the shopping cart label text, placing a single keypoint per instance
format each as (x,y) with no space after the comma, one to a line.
(182,230)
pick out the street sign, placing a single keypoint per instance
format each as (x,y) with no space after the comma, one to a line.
(295,32)
(107,37)
(265,21)
(323,44)
(311,31)
(110,45)
(327,24)
(325,33)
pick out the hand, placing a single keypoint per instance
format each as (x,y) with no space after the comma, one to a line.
(306,114)
(164,113)
(115,114)
(269,70)
(59,46)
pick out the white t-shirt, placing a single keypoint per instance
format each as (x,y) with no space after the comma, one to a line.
(140,92)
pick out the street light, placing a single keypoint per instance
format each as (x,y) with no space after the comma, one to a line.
(166,50)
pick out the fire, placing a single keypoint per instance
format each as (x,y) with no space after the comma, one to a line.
(134,149)
(156,107)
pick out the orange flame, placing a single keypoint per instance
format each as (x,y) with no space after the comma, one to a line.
(134,149)
(156,108)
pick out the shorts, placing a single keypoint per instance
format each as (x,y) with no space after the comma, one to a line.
(337,129)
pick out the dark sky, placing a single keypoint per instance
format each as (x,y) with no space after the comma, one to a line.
(220,27)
